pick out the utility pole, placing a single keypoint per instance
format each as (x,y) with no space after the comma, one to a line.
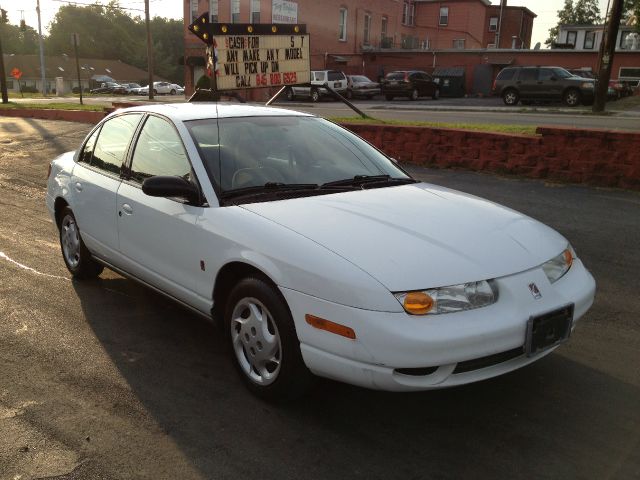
(44,86)
(606,56)
(75,36)
(3,77)
(149,48)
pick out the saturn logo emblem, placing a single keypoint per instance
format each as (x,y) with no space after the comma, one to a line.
(533,288)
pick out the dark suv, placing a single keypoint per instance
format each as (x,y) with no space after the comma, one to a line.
(411,83)
(531,84)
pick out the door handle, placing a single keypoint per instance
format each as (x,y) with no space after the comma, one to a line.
(126,208)
(78,186)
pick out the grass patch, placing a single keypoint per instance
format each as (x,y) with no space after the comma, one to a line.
(52,106)
(485,127)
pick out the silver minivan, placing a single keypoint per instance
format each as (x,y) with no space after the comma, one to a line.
(335,79)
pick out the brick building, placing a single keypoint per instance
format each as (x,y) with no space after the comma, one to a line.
(352,35)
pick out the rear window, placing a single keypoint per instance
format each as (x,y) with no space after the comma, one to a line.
(396,76)
(333,76)
(506,74)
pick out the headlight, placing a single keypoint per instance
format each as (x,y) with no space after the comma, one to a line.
(588,85)
(454,298)
(555,268)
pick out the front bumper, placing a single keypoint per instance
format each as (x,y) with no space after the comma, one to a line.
(451,349)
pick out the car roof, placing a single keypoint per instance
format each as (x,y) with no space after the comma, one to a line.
(201,110)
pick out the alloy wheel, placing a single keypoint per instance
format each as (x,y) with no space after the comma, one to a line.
(70,239)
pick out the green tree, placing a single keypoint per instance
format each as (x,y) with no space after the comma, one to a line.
(631,13)
(15,40)
(565,17)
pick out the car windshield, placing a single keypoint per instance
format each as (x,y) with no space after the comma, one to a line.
(256,152)
(359,78)
(562,73)
(396,76)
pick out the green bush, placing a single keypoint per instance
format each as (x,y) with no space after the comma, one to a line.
(203,83)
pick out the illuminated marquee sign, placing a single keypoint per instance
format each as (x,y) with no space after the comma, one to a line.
(255,56)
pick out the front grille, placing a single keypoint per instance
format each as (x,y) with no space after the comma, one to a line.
(488,361)
(417,372)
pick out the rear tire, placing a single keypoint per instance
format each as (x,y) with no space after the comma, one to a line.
(172,92)
(349,94)
(75,254)
(510,98)
(264,344)
(436,94)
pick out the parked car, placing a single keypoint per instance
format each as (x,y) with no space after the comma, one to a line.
(262,219)
(106,87)
(335,79)
(359,86)
(158,88)
(176,89)
(409,83)
(530,84)
(126,88)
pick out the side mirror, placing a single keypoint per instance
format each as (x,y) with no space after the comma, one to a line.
(171,186)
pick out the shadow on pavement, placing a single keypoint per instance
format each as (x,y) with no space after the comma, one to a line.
(554,419)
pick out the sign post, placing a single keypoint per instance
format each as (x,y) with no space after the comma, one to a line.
(17,74)
(246,56)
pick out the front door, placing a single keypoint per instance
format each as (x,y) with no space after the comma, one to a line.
(157,234)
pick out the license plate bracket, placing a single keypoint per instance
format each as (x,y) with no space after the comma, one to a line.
(548,330)
(336,85)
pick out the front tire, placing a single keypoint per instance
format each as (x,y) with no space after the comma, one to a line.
(264,343)
(436,94)
(172,92)
(290,95)
(571,97)
(315,95)
(75,254)
(414,94)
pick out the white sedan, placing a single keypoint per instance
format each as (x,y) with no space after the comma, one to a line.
(316,251)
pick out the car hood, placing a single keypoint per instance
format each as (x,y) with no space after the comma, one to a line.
(418,236)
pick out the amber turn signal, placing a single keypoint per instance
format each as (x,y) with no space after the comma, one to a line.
(568,257)
(418,303)
(330,326)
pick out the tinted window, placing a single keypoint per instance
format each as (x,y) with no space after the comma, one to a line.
(87,150)
(545,74)
(333,76)
(319,76)
(113,141)
(506,74)
(159,151)
(562,73)
(528,74)
(396,76)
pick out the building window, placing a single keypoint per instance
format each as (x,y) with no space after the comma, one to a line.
(626,42)
(408,13)
(383,26)
(235,11)
(493,24)
(458,44)
(255,11)
(342,28)
(194,9)
(213,10)
(589,40)
(366,37)
(444,16)
(571,38)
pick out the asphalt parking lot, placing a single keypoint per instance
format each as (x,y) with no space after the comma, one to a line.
(108,380)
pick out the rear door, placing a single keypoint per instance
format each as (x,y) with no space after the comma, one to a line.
(527,82)
(157,234)
(95,181)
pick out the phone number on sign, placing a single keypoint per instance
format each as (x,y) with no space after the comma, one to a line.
(264,80)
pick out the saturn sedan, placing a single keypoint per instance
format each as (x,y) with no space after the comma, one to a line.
(317,252)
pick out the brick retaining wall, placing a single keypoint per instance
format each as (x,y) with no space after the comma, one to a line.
(595,157)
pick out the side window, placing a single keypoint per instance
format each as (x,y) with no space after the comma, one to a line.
(159,151)
(87,150)
(528,74)
(114,138)
(506,74)
(334,76)
(545,74)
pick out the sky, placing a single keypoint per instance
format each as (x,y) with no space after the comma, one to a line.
(545,9)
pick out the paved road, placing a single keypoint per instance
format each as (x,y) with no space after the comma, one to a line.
(452,110)
(107,380)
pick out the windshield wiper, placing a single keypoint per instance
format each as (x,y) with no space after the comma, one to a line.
(268,189)
(361,180)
